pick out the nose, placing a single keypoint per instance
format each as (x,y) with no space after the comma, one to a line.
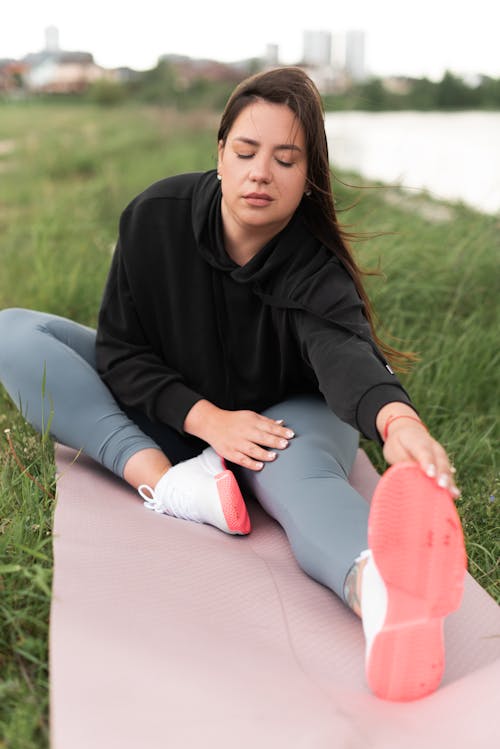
(260,170)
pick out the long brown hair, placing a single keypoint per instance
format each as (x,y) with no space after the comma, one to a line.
(293,87)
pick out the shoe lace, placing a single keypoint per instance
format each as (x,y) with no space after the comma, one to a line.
(178,505)
(151,501)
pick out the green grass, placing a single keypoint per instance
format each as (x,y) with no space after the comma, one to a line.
(67,174)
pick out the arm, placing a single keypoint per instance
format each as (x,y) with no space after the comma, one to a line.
(126,359)
(360,390)
(352,377)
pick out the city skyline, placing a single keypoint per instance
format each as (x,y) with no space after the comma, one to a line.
(423,40)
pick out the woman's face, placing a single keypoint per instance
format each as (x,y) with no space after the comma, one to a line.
(263,165)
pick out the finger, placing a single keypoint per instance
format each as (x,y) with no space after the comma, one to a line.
(444,470)
(427,452)
(276,427)
(258,453)
(434,461)
(247,461)
(255,457)
(260,437)
(263,431)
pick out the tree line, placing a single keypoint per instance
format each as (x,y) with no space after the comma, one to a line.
(162,85)
(450,93)
(172,86)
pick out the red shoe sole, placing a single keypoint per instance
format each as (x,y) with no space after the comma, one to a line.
(416,539)
(233,505)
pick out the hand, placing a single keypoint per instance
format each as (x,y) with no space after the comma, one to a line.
(238,436)
(410,440)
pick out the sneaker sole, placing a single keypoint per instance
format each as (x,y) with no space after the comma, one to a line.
(416,539)
(233,505)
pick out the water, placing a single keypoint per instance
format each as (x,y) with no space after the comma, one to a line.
(454,156)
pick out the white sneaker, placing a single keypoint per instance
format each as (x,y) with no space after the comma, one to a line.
(374,601)
(203,490)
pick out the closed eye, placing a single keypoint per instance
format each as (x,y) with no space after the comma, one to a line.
(286,164)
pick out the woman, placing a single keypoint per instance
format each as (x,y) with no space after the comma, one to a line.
(235,327)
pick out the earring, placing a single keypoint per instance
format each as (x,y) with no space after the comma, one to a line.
(307,193)
(219,177)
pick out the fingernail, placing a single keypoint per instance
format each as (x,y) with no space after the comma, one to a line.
(431,471)
(289,434)
(283,443)
(455,491)
(259,466)
(443,480)
(280,421)
(272,455)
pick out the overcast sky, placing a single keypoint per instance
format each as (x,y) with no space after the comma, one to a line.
(423,37)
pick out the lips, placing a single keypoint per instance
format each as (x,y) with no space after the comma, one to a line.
(258,198)
(258,195)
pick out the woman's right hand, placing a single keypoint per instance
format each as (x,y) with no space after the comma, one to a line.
(238,436)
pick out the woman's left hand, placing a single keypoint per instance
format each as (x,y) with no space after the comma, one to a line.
(409,440)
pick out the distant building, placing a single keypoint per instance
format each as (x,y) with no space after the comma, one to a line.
(52,39)
(338,52)
(355,55)
(271,56)
(188,70)
(62,72)
(334,61)
(55,71)
(317,50)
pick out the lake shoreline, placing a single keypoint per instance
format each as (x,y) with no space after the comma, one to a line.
(450,156)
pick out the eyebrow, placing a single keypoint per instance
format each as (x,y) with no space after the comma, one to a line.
(281,147)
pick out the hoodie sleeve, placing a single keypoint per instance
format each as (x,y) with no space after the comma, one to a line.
(353,378)
(126,361)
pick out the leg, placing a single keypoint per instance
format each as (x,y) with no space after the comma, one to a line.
(306,490)
(409,578)
(83,414)
(80,409)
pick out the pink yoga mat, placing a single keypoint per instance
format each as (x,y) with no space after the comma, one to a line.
(167,634)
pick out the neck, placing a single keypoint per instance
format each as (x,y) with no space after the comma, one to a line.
(242,251)
(243,243)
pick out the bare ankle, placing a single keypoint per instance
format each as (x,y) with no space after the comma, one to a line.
(146,467)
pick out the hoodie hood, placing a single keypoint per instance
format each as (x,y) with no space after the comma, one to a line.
(287,250)
(292,271)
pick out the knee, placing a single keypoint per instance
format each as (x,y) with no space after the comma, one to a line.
(321,438)
(12,322)
(310,456)
(9,316)
(19,328)
(10,340)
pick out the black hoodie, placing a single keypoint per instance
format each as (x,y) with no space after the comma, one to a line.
(181,321)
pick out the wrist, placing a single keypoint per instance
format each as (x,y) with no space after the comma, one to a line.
(394,417)
(198,418)
(391,413)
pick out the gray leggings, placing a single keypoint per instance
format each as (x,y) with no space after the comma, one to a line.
(305,489)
